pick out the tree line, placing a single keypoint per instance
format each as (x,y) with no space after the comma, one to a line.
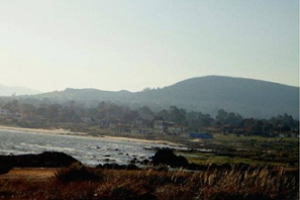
(49,114)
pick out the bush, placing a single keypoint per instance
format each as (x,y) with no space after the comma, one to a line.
(4,168)
(166,156)
(78,172)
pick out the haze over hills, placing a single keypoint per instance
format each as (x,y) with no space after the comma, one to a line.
(250,98)
(8,91)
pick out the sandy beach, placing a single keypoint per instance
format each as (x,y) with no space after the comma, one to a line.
(37,130)
(81,134)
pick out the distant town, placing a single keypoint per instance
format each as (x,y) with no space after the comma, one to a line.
(115,118)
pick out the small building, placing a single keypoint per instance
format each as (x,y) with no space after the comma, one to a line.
(175,130)
(160,126)
(201,135)
(137,123)
(4,112)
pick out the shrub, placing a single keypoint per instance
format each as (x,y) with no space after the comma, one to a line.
(4,168)
(78,172)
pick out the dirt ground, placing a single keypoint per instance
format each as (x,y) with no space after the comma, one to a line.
(37,174)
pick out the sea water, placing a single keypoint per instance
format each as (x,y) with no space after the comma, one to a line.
(89,150)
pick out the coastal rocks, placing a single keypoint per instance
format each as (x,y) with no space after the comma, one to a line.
(117,166)
(4,168)
(45,159)
(167,157)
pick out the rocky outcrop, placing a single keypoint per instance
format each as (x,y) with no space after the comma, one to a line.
(118,167)
(167,157)
(4,168)
(46,159)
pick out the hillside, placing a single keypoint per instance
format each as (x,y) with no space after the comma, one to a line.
(8,91)
(250,98)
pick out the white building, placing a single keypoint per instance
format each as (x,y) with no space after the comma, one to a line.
(4,112)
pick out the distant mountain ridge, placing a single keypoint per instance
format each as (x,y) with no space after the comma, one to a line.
(9,91)
(250,98)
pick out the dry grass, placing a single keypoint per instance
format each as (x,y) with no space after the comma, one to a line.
(256,183)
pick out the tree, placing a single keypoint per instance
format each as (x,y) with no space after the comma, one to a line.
(13,106)
(177,115)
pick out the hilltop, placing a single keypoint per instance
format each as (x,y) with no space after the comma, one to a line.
(250,98)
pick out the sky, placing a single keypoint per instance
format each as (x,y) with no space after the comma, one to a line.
(131,45)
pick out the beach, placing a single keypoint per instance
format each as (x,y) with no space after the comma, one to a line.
(82,134)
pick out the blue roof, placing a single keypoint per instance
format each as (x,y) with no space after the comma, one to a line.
(201,135)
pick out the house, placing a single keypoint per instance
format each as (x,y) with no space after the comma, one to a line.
(165,127)
(160,126)
(137,123)
(4,112)
(175,129)
(201,135)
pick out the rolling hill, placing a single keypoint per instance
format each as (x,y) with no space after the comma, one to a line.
(8,91)
(250,98)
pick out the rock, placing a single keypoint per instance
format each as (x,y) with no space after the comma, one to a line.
(117,167)
(132,167)
(166,156)
(145,162)
(4,168)
(133,161)
(46,159)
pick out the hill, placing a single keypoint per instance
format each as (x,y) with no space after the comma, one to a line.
(8,91)
(250,98)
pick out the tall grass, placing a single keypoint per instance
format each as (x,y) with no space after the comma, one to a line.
(79,182)
(78,172)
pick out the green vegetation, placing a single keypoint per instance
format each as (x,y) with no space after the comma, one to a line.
(107,115)
(257,150)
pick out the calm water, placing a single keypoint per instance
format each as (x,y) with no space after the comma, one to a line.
(90,151)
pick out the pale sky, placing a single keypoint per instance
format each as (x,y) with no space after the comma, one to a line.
(116,44)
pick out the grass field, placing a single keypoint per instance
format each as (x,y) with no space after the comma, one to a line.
(79,182)
(256,150)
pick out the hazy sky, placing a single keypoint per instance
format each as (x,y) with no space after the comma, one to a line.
(117,44)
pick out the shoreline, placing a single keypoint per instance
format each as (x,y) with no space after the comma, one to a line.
(40,130)
(65,132)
